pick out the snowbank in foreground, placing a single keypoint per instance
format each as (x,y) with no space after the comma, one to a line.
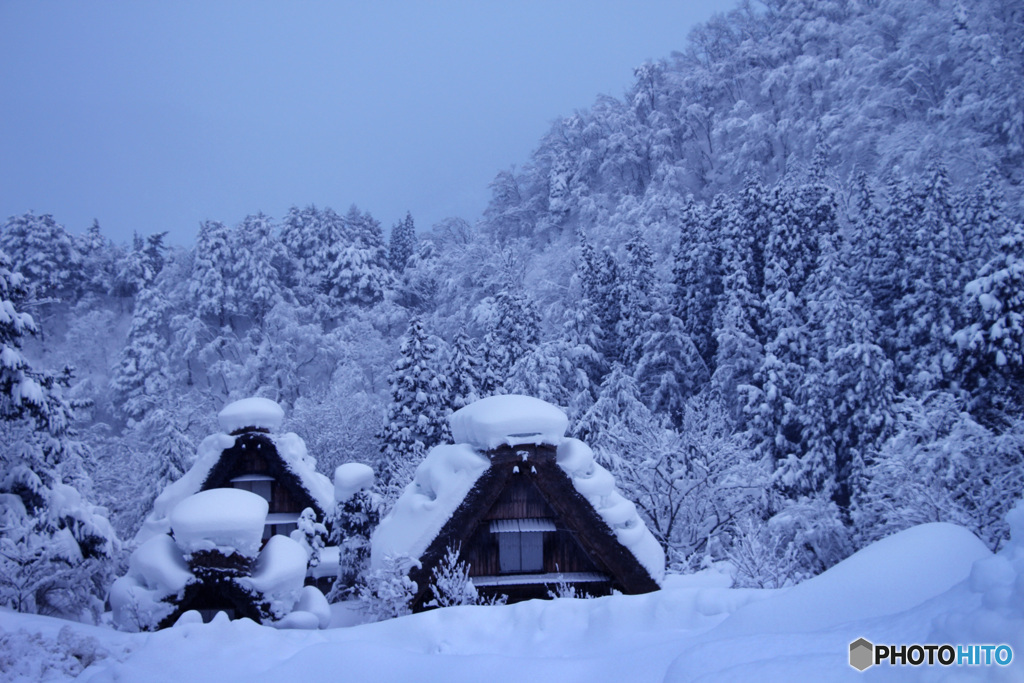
(694,629)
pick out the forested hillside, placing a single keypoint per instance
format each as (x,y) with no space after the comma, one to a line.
(778,286)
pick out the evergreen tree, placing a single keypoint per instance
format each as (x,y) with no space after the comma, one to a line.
(358,272)
(465,369)
(514,331)
(417,414)
(697,276)
(211,285)
(402,244)
(42,250)
(636,294)
(930,309)
(54,545)
(141,379)
(255,269)
(991,344)
(98,261)
(669,369)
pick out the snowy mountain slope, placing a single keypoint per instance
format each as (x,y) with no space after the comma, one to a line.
(694,629)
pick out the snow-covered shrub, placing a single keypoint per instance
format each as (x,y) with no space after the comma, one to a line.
(35,657)
(803,540)
(450,583)
(760,558)
(388,590)
(564,589)
(310,535)
(942,466)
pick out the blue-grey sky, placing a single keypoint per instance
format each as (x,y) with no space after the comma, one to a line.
(153,116)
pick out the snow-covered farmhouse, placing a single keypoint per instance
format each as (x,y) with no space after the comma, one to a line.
(218,540)
(526,507)
(250,455)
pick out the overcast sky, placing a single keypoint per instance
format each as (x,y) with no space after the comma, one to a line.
(153,116)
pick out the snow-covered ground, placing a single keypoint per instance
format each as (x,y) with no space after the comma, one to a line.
(935,583)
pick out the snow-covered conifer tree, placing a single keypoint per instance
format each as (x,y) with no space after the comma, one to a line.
(255,268)
(417,414)
(55,546)
(42,250)
(141,379)
(669,368)
(402,244)
(465,368)
(515,330)
(696,273)
(212,286)
(358,273)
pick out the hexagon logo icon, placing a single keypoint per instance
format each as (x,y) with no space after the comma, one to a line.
(862,654)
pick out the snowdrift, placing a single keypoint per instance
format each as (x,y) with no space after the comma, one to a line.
(932,581)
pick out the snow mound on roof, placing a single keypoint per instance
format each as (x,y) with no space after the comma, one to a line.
(279,574)
(509,419)
(228,520)
(261,413)
(156,571)
(350,479)
(442,481)
(597,485)
(159,521)
(299,462)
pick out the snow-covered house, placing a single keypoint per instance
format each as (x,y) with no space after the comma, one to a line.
(215,561)
(250,455)
(527,508)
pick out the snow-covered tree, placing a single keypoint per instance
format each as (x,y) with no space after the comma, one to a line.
(54,545)
(42,250)
(402,244)
(141,378)
(255,272)
(212,286)
(358,271)
(417,414)
(992,343)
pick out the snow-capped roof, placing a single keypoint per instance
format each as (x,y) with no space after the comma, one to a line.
(597,485)
(158,520)
(230,520)
(448,473)
(261,413)
(299,462)
(442,481)
(290,447)
(508,419)
(351,478)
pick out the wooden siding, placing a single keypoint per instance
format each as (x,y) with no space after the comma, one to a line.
(520,499)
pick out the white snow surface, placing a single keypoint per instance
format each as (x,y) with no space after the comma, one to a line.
(597,485)
(261,413)
(440,484)
(230,520)
(694,629)
(290,447)
(350,479)
(508,419)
